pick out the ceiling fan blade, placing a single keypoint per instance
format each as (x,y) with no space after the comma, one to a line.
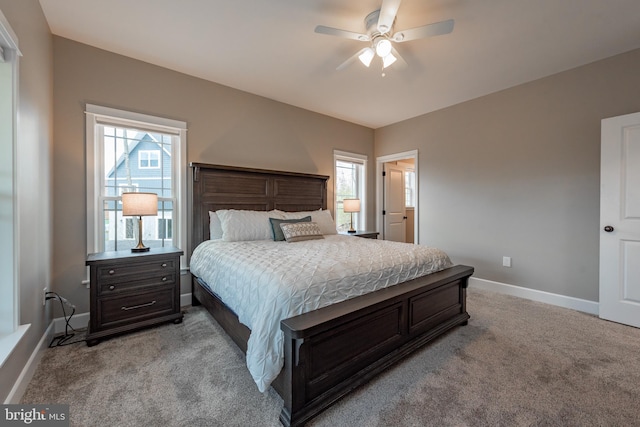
(435,29)
(351,59)
(400,63)
(388,12)
(321,29)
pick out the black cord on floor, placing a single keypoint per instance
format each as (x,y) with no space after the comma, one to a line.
(65,339)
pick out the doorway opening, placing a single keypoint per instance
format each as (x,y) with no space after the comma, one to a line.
(397,196)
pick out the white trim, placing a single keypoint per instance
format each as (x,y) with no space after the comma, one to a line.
(10,341)
(11,332)
(78,321)
(8,38)
(129,118)
(20,386)
(578,304)
(345,155)
(380,161)
(185,300)
(81,321)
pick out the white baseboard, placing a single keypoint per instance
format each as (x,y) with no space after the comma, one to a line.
(578,304)
(185,300)
(20,386)
(80,321)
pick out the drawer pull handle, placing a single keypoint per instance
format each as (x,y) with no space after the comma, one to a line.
(164,279)
(112,271)
(111,287)
(149,304)
(164,264)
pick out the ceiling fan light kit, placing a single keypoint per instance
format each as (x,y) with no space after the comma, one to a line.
(366,56)
(383,47)
(379,31)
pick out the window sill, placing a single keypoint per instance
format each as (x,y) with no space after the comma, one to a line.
(9,342)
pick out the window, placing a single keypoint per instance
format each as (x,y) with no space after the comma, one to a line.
(148,159)
(11,332)
(164,228)
(410,188)
(134,152)
(350,183)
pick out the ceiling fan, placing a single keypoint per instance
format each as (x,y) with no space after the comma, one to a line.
(380,36)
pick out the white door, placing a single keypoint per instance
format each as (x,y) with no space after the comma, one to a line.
(620,220)
(395,215)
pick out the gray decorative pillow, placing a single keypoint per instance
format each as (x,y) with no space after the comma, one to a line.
(277,231)
(297,231)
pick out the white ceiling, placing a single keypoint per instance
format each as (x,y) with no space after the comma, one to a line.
(269,48)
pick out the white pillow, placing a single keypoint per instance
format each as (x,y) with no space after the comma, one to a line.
(215,227)
(321,217)
(238,225)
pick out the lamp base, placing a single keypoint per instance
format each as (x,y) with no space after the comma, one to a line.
(351,231)
(143,249)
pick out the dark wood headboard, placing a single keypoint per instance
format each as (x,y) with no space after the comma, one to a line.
(215,187)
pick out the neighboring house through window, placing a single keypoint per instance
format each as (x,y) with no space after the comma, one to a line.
(350,183)
(129,152)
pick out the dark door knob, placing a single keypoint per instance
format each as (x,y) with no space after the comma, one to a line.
(608,229)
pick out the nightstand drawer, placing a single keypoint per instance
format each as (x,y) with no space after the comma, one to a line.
(109,287)
(138,306)
(129,271)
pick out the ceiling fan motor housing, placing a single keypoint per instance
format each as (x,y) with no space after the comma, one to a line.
(371,24)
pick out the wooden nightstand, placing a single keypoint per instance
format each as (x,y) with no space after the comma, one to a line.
(132,290)
(365,234)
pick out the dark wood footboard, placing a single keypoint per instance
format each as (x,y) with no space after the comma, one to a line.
(331,351)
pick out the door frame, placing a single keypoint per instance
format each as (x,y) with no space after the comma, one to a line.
(380,161)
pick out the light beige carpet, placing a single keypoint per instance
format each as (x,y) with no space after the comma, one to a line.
(517,363)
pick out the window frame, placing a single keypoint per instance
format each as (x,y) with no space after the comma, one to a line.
(360,219)
(98,115)
(11,331)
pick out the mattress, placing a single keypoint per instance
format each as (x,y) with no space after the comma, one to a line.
(265,281)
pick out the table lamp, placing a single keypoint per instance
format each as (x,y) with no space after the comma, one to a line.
(351,206)
(139,204)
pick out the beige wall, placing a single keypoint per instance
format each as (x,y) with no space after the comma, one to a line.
(517,173)
(33,177)
(225,126)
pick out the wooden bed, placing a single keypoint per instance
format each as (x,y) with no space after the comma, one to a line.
(332,350)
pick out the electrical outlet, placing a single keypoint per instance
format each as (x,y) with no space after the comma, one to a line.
(506,261)
(44,296)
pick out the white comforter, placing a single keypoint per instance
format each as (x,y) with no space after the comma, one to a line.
(264,282)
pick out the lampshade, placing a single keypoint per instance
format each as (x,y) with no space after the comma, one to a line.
(139,204)
(388,60)
(366,56)
(351,205)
